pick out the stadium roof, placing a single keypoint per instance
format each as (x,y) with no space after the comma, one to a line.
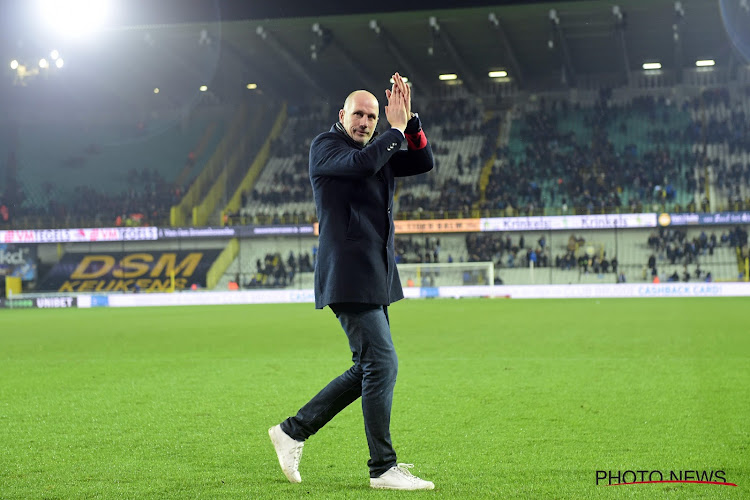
(308,57)
(587,42)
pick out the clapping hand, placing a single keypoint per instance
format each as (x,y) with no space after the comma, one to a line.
(400,84)
(398,109)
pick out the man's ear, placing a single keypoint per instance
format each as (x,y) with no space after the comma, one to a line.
(341,116)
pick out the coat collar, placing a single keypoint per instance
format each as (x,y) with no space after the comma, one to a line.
(339,128)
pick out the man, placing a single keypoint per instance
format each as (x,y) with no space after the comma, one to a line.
(352,174)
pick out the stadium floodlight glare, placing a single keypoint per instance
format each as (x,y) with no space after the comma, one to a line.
(447,76)
(43,63)
(497,74)
(156,90)
(14,64)
(54,54)
(405,79)
(203,88)
(252,86)
(652,65)
(59,63)
(705,62)
(74,18)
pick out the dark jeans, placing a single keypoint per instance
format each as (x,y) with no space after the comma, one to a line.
(372,377)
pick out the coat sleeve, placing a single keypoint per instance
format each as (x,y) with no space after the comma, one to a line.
(330,155)
(417,159)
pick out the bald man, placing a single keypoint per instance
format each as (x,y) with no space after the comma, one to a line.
(353,172)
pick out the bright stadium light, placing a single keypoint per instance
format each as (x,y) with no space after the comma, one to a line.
(203,88)
(14,64)
(59,63)
(156,90)
(447,76)
(705,62)
(252,86)
(74,18)
(497,74)
(406,80)
(652,65)
(43,63)
(54,55)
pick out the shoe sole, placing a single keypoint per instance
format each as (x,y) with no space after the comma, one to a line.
(378,487)
(278,456)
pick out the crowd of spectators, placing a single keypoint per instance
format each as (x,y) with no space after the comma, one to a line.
(504,252)
(411,250)
(454,198)
(557,168)
(590,174)
(708,128)
(285,187)
(675,248)
(275,272)
(145,201)
(730,129)
(458,118)
(507,252)
(571,169)
(305,123)
(453,195)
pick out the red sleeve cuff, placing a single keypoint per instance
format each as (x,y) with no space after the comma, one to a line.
(416,141)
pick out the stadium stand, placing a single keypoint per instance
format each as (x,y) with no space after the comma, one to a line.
(613,152)
(115,172)
(625,150)
(458,135)
(720,136)
(282,192)
(272,263)
(606,157)
(560,257)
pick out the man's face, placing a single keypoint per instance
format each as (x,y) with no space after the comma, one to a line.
(360,116)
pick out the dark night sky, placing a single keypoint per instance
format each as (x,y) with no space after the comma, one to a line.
(17,15)
(181,10)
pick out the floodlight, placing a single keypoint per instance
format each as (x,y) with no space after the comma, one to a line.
(652,65)
(705,62)
(156,90)
(497,74)
(43,63)
(203,88)
(447,76)
(14,64)
(252,86)
(59,63)
(74,18)
(406,80)
(54,54)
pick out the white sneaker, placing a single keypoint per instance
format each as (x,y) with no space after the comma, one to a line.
(289,451)
(399,478)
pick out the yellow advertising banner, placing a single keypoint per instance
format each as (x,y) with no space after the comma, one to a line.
(129,271)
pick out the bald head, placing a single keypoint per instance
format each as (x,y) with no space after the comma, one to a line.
(360,96)
(359,115)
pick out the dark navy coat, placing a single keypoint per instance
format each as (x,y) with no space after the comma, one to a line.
(353,187)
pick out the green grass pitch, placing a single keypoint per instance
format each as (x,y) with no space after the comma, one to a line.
(495,399)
